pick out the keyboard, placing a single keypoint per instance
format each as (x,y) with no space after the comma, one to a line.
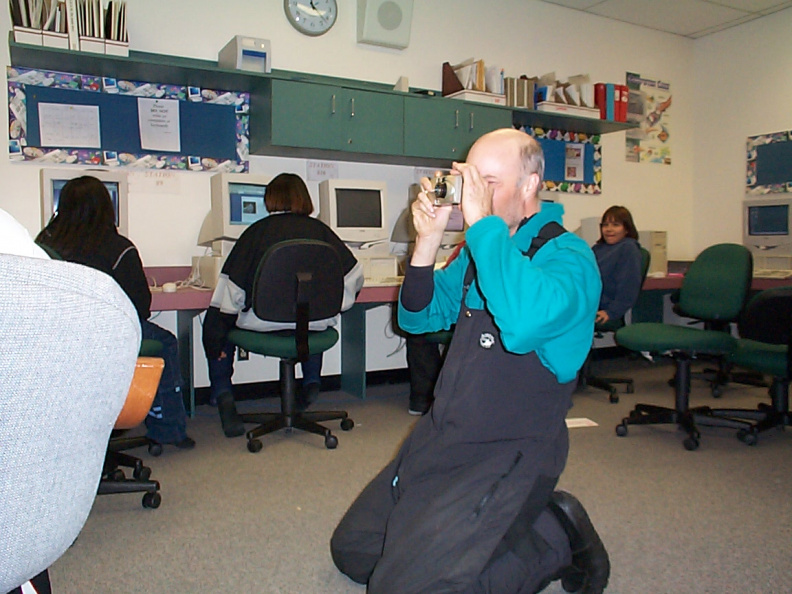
(386,281)
(771,273)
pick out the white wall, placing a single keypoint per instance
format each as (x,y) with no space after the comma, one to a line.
(749,63)
(752,97)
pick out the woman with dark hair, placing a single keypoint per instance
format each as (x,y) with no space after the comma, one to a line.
(619,258)
(289,206)
(83,231)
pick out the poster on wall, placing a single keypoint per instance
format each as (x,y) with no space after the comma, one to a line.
(649,107)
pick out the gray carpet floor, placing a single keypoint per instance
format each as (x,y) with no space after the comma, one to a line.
(718,519)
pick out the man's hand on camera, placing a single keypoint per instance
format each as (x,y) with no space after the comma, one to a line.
(476,194)
(430,222)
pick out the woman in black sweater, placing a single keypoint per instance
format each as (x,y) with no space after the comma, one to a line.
(83,231)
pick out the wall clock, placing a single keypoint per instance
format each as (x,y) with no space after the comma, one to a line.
(311,17)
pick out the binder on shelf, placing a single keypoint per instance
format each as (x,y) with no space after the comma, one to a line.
(624,97)
(610,101)
(600,100)
(72,25)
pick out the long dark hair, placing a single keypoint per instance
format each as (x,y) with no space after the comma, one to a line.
(84,220)
(619,214)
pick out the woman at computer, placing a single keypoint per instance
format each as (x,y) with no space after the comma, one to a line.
(619,258)
(83,231)
(289,206)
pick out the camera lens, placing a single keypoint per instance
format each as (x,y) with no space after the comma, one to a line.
(440,189)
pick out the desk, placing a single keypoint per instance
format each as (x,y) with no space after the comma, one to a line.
(189,303)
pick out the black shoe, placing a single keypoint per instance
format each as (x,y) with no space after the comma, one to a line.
(229,418)
(187,443)
(419,407)
(590,566)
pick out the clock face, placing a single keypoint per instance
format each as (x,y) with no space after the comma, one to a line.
(311,17)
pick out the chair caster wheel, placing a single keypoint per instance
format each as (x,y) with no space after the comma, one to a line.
(152,500)
(331,441)
(614,397)
(142,474)
(621,429)
(747,437)
(630,389)
(691,443)
(155,449)
(254,446)
(717,391)
(347,424)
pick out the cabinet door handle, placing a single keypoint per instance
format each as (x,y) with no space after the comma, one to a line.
(471,121)
(332,105)
(456,118)
(352,107)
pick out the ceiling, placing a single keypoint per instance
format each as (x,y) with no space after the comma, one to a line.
(689,18)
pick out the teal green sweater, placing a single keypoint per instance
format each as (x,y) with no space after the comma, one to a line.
(546,304)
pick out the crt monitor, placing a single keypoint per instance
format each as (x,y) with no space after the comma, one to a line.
(53,180)
(237,203)
(354,209)
(766,231)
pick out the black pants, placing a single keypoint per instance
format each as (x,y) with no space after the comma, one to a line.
(424,362)
(432,538)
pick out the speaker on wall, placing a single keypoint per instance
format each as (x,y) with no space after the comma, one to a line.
(385,22)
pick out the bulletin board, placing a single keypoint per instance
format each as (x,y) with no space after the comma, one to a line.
(212,125)
(573,161)
(769,163)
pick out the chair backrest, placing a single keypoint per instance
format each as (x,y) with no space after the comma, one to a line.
(768,317)
(646,260)
(299,281)
(716,285)
(145,381)
(69,338)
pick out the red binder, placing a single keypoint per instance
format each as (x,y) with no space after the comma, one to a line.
(600,100)
(624,96)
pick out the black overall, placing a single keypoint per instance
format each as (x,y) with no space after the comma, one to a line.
(437,518)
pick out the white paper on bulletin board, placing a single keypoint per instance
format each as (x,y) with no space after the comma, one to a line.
(74,126)
(158,120)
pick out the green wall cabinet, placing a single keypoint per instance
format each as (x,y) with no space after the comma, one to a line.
(319,116)
(446,128)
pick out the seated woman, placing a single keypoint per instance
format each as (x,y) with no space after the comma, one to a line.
(619,258)
(83,231)
(289,204)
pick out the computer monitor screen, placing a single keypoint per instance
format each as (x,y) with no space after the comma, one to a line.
(767,223)
(770,219)
(246,203)
(354,209)
(53,181)
(237,203)
(357,207)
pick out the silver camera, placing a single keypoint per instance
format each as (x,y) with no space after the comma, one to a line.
(447,189)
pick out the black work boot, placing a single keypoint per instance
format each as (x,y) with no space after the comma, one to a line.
(590,568)
(229,418)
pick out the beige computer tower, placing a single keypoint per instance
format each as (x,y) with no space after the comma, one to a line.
(655,242)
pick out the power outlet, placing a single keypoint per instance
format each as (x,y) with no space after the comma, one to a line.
(242,354)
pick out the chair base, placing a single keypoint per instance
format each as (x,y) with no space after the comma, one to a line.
(115,481)
(606,383)
(288,418)
(689,419)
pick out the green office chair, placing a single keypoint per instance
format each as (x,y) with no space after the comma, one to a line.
(297,282)
(714,289)
(607,383)
(765,335)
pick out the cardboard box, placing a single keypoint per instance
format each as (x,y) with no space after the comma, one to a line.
(569,110)
(116,48)
(27,35)
(55,39)
(479,97)
(95,45)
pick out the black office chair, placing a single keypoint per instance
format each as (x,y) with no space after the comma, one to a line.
(607,383)
(713,289)
(764,346)
(297,282)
